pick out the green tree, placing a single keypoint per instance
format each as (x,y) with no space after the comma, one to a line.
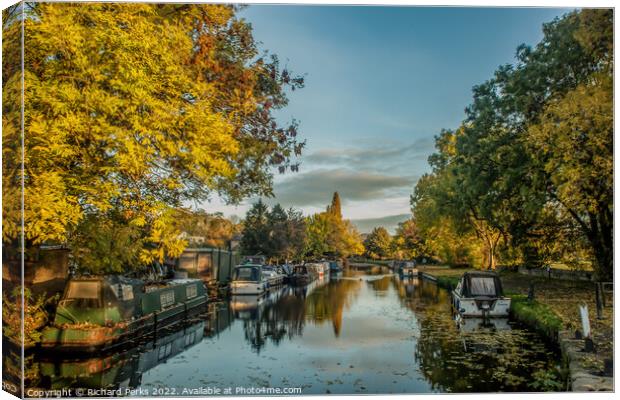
(378,243)
(287,233)
(255,239)
(275,233)
(531,164)
(442,216)
(318,230)
(276,226)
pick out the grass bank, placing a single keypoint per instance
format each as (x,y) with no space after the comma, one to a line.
(537,315)
(447,282)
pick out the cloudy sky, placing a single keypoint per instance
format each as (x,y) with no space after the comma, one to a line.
(380,83)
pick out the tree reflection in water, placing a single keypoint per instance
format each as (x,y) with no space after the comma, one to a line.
(284,313)
(500,356)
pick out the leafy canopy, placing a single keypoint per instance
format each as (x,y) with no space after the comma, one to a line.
(132,110)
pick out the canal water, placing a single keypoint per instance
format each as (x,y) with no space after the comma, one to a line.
(358,333)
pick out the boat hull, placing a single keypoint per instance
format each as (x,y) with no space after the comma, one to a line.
(481,307)
(92,338)
(248,288)
(300,280)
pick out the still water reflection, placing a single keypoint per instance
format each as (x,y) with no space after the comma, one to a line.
(358,333)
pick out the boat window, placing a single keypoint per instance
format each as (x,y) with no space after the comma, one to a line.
(122,292)
(167,299)
(482,286)
(246,274)
(127,292)
(191,291)
(82,294)
(83,290)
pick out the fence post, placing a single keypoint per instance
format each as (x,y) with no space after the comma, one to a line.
(530,292)
(587,333)
(599,305)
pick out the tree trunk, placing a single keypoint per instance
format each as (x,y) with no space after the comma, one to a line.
(599,232)
(600,236)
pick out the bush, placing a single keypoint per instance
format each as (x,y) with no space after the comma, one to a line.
(35,316)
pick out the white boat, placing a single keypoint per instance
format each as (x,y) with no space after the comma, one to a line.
(249,279)
(320,268)
(475,324)
(271,275)
(479,294)
(406,268)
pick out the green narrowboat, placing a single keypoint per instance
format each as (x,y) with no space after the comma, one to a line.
(97,313)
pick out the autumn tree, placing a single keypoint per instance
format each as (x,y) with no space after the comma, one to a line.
(572,140)
(214,228)
(378,243)
(329,234)
(441,217)
(531,165)
(132,110)
(335,208)
(407,242)
(318,229)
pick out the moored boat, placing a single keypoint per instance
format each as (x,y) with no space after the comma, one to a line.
(335,267)
(406,268)
(249,279)
(260,260)
(320,269)
(97,313)
(480,294)
(302,275)
(272,276)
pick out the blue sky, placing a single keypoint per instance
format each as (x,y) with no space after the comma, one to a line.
(380,83)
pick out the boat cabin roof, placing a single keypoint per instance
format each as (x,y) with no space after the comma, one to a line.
(481,284)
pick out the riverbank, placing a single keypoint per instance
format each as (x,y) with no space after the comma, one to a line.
(554,312)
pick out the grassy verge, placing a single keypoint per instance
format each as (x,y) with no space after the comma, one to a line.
(535,314)
(447,282)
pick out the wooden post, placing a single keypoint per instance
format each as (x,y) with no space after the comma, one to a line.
(585,323)
(599,305)
(530,292)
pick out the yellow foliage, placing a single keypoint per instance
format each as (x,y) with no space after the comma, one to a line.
(131,110)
